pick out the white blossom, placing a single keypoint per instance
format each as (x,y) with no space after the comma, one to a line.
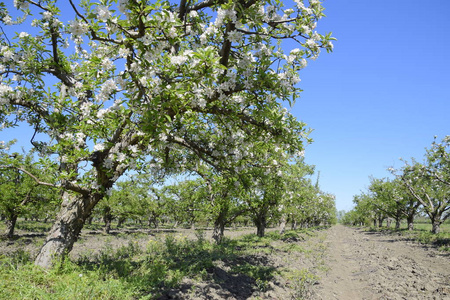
(133,148)
(7,53)
(101,113)
(123,6)
(108,163)
(23,35)
(124,52)
(178,59)
(77,27)
(4,91)
(121,157)
(310,43)
(7,20)
(306,29)
(107,64)
(235,36)
(46,15)
(103,12)
(21,4)
(99,147)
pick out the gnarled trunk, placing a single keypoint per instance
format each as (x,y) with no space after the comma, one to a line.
(75,209)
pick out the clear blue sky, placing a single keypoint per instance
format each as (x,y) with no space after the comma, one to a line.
(382,94)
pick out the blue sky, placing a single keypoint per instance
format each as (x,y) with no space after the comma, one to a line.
(382,94)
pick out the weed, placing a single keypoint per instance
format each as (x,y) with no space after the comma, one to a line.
(300,281)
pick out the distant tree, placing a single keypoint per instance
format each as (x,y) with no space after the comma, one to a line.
(392,198)
(428,191)
(20,191)
(429,182)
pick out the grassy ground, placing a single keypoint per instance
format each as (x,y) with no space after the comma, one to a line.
(167,266)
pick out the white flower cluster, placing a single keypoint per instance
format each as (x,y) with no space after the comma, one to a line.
(225,14)
(103,12)
(7,54)
(21,4)
(106,90)
(77,27)
(123,6)
(5,91)
(235,36)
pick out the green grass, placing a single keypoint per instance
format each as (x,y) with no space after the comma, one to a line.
(133,273)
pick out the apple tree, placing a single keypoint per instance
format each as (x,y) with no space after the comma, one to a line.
(109,86)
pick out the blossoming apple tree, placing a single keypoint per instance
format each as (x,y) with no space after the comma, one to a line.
(108,86)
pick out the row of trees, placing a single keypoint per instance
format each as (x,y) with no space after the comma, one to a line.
(207,199)
(416,187)
(221,201)
(197,87)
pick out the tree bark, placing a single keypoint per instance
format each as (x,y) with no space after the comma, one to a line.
(218,232)
(410,221)
(10,225)
(283,223)
(75,209)
(435,227)
(380,222)
(219,225)
(107,218)
(397,223)
(294,224)
(120,221)
(260,222)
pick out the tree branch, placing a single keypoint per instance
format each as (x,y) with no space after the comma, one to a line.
(31,175)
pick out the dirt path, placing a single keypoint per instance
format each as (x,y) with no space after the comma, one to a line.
(367,265)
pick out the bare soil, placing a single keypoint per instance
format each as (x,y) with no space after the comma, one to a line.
(370,265)
(337,263)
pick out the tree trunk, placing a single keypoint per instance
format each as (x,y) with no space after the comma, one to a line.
(10,225)
(120,221)
(283,223)
(219,226)
(397,223)
(75,209)
(410,221)
(107,218)
(260,222)
(218,232)
(388,222)
(294,224)
(380,222)
(436,227)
